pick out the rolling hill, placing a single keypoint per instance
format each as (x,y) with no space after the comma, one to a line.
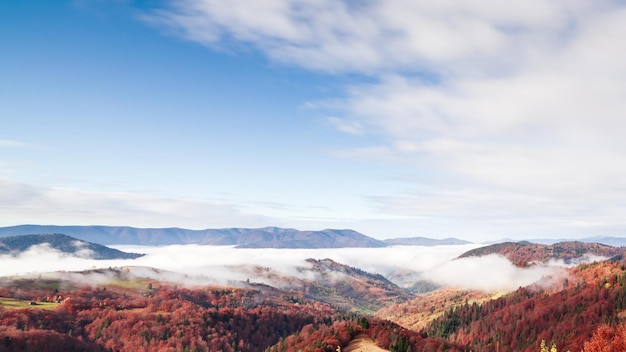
(352,287)
(14,245)
(566,312)
(566,315)
(342,286)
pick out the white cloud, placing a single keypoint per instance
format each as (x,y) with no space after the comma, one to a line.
(378,260)
(546,143)
(24,203)
(346,126)
(6,143)
(195,264)
(378,35)
(81,250)
(43,258)
(511,115)
(492,273)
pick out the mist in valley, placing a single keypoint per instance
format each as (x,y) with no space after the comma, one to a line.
(226,265)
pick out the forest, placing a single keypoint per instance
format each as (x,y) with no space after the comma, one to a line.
(170,318)
(592,297)
(583,311)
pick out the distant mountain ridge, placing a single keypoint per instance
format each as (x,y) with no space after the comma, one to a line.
(15,245)
(607,240)
(268,237)
(424,241)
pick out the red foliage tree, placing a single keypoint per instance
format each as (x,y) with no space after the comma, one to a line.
(607,339)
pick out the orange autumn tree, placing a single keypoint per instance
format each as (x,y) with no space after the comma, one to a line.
(607,339)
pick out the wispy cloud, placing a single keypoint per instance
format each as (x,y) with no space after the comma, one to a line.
(25,203)
(493,273)
(510,110)
(7,143)
(73,206)
(457,36)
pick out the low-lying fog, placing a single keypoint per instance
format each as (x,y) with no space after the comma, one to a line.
(215,264)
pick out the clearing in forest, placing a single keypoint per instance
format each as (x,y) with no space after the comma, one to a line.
(363,343)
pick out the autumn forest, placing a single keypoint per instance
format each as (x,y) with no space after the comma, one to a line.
(583,310)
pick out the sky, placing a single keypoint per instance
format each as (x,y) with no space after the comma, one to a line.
(476,119)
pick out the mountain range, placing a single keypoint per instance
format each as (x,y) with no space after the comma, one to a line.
(267,237)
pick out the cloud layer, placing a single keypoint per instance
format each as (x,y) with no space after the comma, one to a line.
(493,273)
(194,264)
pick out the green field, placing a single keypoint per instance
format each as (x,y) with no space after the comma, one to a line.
(10,303)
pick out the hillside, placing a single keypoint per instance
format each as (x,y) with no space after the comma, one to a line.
(268,237)
(525,253)
(346,286)
(567,315)
(132,313)
(342,286)
(420,311)
(608,240)
(15,245)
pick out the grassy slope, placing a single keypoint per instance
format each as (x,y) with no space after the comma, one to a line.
(10,303)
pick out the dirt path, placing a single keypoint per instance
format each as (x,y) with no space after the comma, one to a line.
(363,343)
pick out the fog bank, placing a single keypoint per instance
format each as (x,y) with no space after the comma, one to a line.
(197,264)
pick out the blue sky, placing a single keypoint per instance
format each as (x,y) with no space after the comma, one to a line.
(465,118)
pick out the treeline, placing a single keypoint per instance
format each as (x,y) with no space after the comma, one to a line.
(165,319)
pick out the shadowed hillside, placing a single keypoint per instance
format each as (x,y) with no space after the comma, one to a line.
(15,245)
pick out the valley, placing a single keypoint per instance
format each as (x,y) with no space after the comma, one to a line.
(312,176)
(398,298)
